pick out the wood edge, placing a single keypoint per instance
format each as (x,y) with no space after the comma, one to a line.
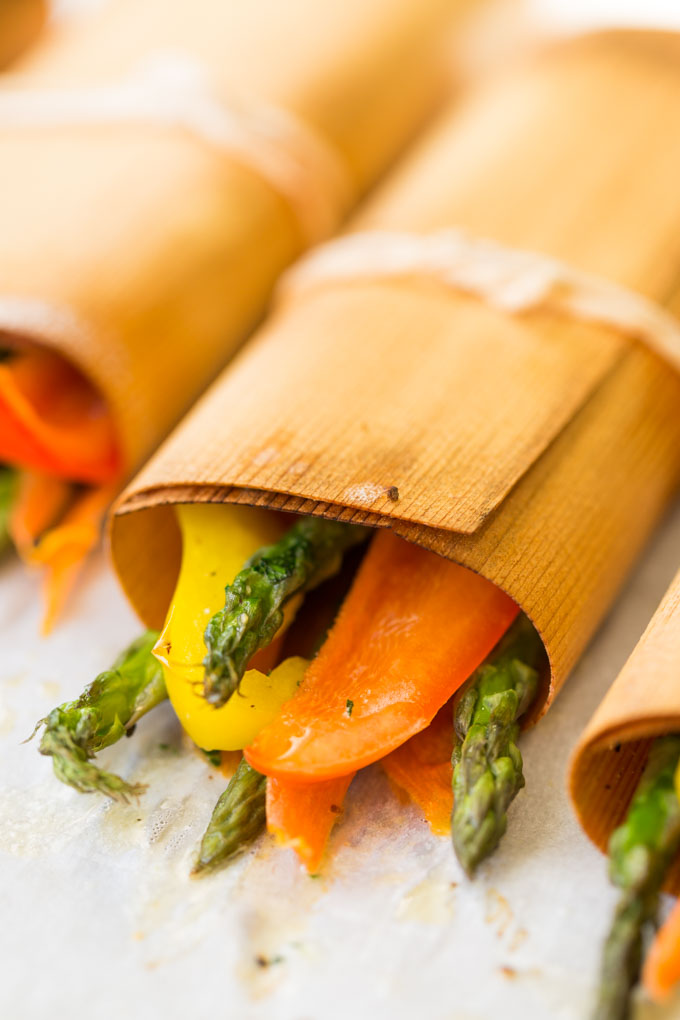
(53,338)
(603,771)
(22,24)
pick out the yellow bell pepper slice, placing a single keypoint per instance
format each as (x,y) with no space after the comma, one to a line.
(259,699)
(216,542)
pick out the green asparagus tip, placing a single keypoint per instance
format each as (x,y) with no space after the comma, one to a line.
(309,553)
(487,764)
(71,765)
(237,820)
(475,838)
(107,710)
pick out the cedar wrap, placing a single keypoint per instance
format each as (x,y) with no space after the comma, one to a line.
(642,703)
(141,251)
(20,23)
(536,450)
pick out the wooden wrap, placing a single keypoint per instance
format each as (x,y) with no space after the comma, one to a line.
(642,703)
(20,23)
(538,451)
(143,252)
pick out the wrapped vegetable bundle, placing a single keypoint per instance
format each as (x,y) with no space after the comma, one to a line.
(625,784)
(495,416)
(20,23)
(161,165)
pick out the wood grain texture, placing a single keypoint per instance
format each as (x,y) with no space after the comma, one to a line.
(443,398)
(642,703)
(537,451)
(143,253)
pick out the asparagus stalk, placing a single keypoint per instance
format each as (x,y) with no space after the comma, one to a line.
(8,479)
(487,764)
(640,852)
(7,489)
(308,553)
(108,709)
(237,820)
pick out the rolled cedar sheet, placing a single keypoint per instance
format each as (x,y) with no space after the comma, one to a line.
(20,23)
(143,252)
(537,450)
(642,703)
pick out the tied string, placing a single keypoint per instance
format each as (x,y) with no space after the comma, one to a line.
(173,91)
(508,279)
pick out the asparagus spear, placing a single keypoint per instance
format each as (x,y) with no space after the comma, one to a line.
(640,852)
(487,764)
(308,553)
(8,477)
(238,819)
(107,710)
(7,489)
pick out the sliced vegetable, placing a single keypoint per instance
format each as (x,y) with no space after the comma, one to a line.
(39,500)
(256,600)
(661,971)
(52,420)
(422,769)
(216,541)
(412,629)
(57,430)
(316,616)
(63,550)
(302,815)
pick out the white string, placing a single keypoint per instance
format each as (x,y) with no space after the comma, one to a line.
(172,90)
(509,279)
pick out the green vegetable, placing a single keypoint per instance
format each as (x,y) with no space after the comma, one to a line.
(487,764)
(8,480)
(214,757)
(107,710)
(253,611)
(640,852)
(238,819)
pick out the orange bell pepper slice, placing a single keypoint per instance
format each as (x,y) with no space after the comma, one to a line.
(38,503)
(661,969)
(62,550)
(302,815)
(53,420)
(412,629)
(422,769)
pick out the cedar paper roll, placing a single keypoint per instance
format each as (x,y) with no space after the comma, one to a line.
(642,703)
(143,252)
(20,23)
(534,449)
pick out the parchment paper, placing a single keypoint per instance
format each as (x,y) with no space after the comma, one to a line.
(100,920)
